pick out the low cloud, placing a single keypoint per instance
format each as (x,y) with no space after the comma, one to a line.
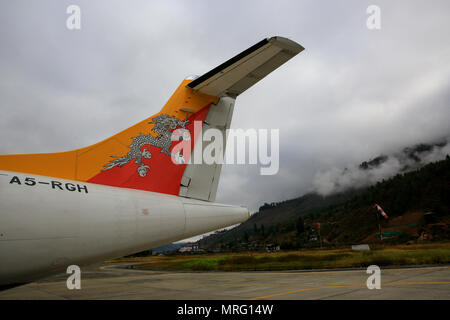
(336,180)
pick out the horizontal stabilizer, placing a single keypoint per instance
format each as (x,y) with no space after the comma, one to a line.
(236,75)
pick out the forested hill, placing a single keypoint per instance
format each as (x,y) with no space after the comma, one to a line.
(350,217)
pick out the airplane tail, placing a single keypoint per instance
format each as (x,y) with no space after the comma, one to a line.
(151,155)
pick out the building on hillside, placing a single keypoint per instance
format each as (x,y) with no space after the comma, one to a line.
(270,247)
(189,247)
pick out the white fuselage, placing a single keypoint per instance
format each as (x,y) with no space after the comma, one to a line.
(47,224)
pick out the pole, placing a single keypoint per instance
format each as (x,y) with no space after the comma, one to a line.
(320,237)
(379,226)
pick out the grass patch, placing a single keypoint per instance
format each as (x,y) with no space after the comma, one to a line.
(297,260)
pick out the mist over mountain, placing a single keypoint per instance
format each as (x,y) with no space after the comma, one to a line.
(417,203)
(335,180)
(337,185)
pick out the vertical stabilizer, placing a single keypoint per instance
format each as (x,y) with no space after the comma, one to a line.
(145,155)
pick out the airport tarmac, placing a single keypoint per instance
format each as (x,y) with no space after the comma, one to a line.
(117,282)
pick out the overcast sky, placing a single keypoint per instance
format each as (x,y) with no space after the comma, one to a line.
(352,94)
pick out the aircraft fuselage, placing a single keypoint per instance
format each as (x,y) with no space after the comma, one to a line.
(47,224)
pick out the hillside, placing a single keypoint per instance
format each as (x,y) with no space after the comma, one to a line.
(417,202)
(280,213)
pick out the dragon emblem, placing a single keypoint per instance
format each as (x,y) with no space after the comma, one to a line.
(163,127)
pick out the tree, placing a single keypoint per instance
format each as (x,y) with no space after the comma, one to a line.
(300,225)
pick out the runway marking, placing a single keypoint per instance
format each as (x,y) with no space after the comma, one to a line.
(262,273)
(350,286)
